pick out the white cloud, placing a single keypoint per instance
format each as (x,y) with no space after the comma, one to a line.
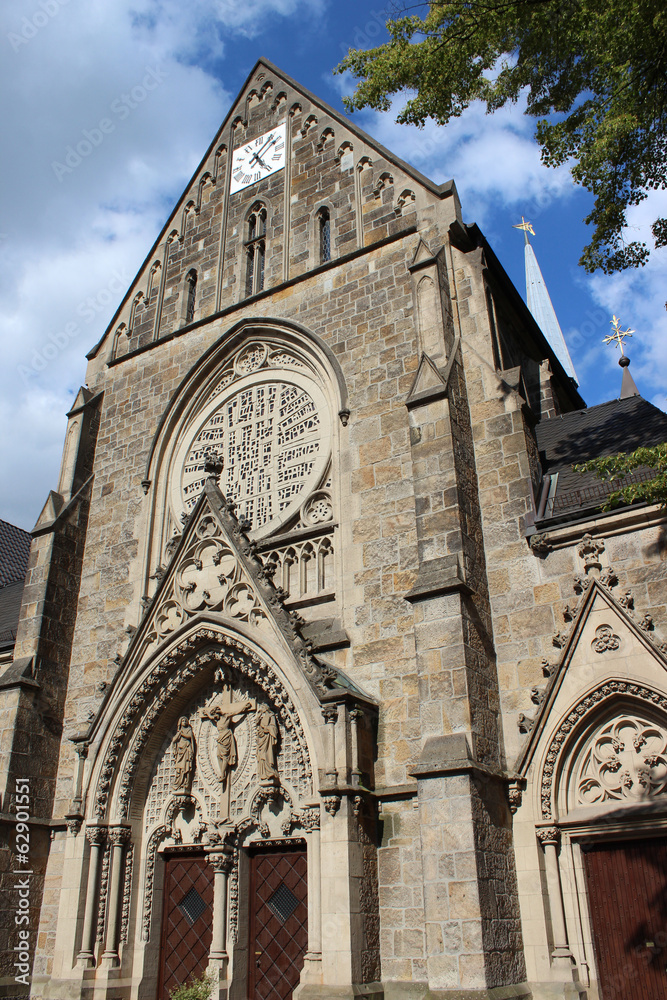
(76,225)
(493,158)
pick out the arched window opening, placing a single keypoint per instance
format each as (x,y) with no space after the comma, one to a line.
(290,574)
(255,246)
(324,227)
(190,295)
(325,566)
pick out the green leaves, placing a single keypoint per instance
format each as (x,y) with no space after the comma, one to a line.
(653,491)
(594,72)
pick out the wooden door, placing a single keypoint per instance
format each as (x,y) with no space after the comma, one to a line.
(627,890)
(278,922)
(187,916)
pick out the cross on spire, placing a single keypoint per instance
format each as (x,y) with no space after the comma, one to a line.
(527,227)
(618,336)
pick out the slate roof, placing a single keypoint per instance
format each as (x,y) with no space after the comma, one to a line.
(10,606)
(14,551)
(596,432)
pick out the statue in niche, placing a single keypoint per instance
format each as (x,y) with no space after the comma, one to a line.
(183,751)
(267,739)
(222,716)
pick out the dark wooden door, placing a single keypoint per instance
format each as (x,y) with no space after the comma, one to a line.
(187,916)
(278,922)
(627,889)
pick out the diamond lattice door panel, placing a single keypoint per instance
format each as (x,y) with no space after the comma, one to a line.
(187,917)
(627,890)
(278,922)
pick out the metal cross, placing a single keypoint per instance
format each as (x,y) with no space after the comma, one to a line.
(527,227)
(618,336)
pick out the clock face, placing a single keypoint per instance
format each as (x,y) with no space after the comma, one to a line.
(258,158)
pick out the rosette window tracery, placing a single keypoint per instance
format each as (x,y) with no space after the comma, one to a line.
(625,760)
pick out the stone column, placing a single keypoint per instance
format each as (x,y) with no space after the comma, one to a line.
(561,956)
(95,835)
(119,836)
(221,862)
(311,822)
(330,714)
(356,716)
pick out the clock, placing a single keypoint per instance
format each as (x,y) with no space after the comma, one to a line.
(257,159)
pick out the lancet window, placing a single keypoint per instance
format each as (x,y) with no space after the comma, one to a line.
(324,233)
(255,248)
(190,295)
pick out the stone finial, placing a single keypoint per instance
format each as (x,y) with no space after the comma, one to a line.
(589,550)
(213,464)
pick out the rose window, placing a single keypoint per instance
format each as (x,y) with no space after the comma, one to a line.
(272,442)
(625,760)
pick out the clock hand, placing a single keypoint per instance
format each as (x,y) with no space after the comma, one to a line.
(257,156)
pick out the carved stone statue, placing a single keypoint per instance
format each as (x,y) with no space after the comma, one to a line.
(267,738)
(222,716)
(183,750)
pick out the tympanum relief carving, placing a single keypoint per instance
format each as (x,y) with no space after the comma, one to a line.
(230,745)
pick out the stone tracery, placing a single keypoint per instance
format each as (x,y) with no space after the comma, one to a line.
(561,736)
(626,759)
(267,417)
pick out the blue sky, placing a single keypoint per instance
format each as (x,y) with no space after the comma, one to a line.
(72,239)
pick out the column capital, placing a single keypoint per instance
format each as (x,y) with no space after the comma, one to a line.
(96,835)
(310,819)
(119,835)
(548,835)
(221,861)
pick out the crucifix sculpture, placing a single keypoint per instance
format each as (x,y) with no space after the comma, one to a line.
(223,715)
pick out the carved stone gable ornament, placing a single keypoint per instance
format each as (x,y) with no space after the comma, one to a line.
(596,593)
(605,639)
(216,570)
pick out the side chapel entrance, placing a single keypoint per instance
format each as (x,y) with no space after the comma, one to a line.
(627,890)
(278,921)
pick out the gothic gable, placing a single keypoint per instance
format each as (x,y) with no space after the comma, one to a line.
(599,738)
(215,574)
(195,268)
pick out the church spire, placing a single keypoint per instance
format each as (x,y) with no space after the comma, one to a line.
(539,303)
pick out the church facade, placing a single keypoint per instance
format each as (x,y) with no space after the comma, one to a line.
(327,681)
